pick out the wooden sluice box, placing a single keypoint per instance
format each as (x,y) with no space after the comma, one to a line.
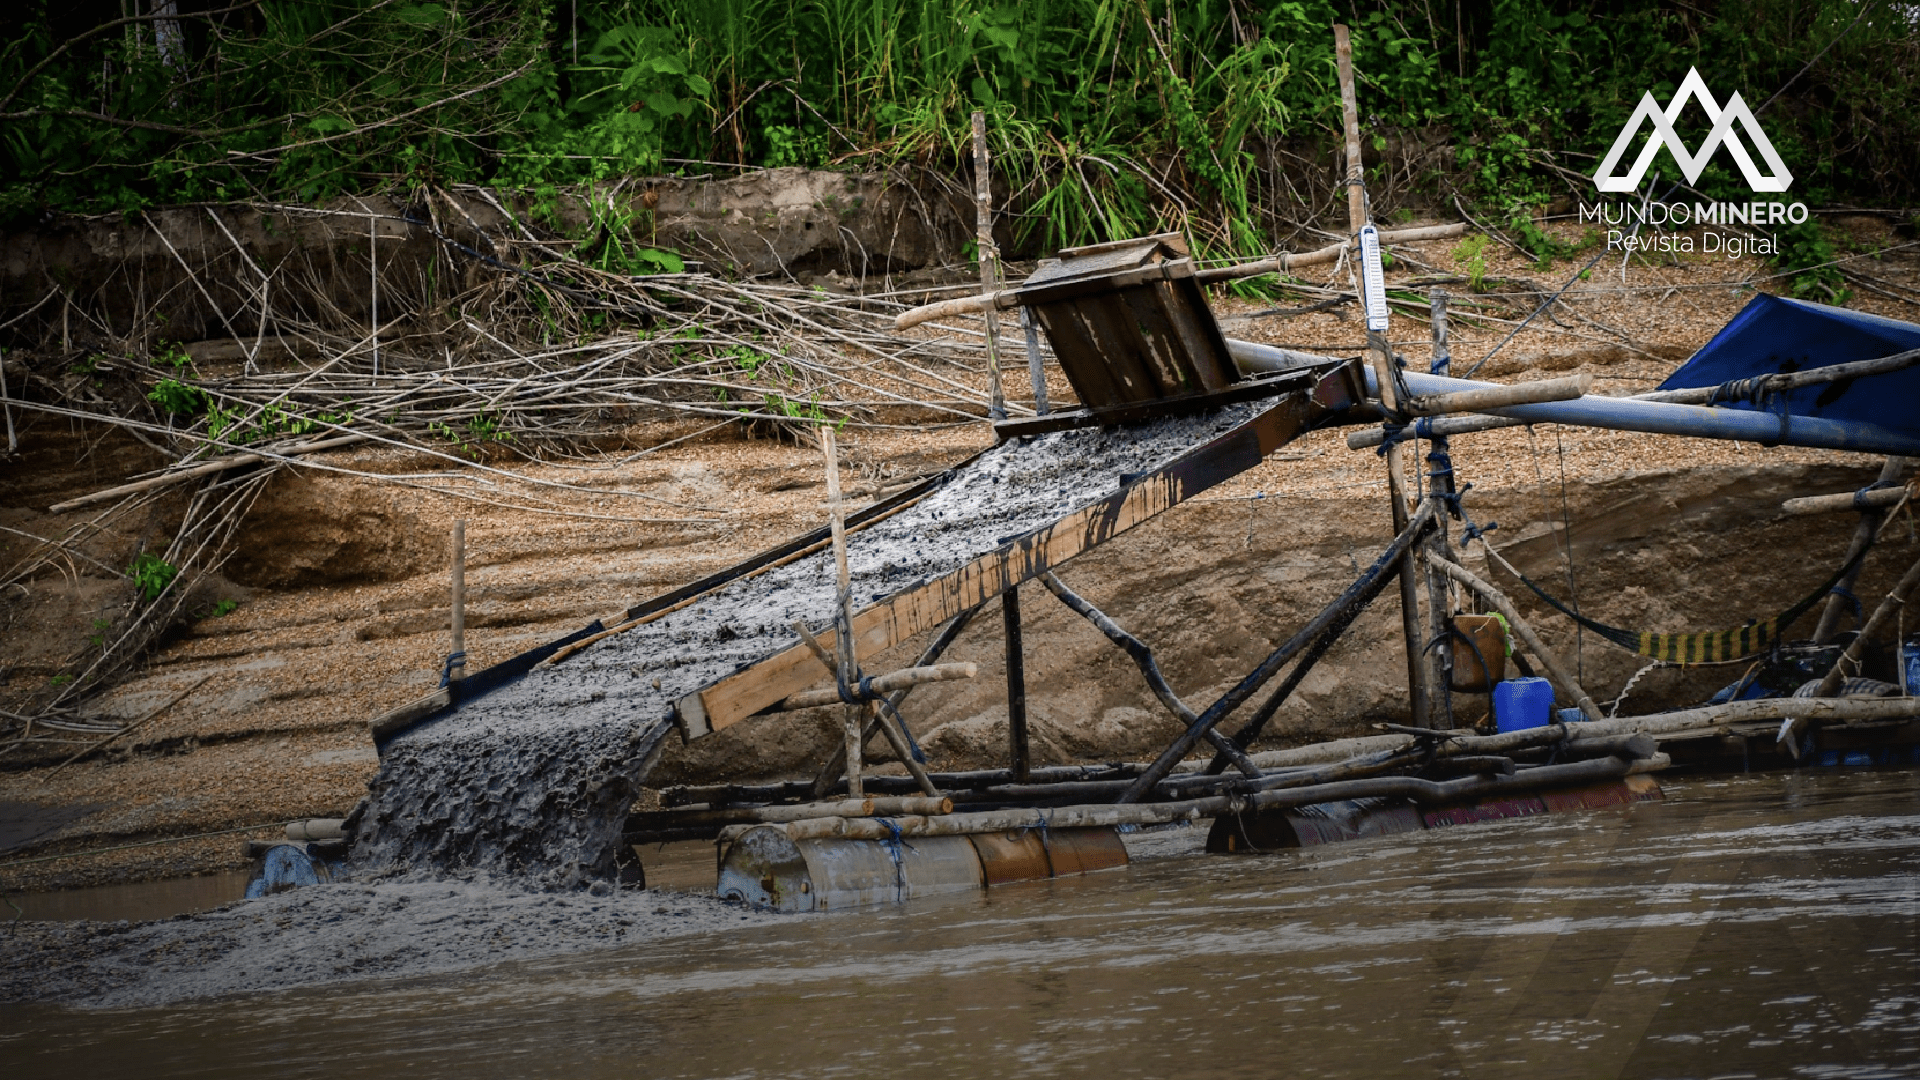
(1145,362)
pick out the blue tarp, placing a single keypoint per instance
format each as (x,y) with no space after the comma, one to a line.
(1774,335)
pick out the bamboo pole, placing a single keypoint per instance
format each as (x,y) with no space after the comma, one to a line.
(113,494)
(1893,470)
(1494,397)
(881,684)
(1382,360)
(1281,263)
(373,274)
(1036,368)
(1556,669)
(1438,650)
(823,782)
(867,711)
(1864,501)
(989,263)
(1355,595)
(457,656)
(1286,261)
(1019,754)
(1849,662)
(847,669)
(1426,792)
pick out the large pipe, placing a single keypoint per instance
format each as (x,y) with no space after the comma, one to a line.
(1633,414)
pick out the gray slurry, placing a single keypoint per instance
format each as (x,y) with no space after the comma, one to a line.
(533,780)
(336,933)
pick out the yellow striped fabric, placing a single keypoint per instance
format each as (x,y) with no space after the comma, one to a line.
(1710,648)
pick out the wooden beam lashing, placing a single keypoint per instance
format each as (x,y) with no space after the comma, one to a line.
(882,685)
(914,611)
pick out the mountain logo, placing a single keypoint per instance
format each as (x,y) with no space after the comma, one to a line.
(1692,165)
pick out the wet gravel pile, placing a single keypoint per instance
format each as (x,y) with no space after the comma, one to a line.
(534,779)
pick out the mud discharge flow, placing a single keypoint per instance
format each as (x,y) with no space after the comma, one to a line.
(535,778)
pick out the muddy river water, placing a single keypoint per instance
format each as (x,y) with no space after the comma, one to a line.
(1764,925)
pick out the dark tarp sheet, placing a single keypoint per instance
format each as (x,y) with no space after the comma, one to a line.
(1773,335)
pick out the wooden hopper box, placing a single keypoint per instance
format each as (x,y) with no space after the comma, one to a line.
(1128,323)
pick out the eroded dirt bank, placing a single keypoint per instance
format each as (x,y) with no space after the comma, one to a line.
(276,730)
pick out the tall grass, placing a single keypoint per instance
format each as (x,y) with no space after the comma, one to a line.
(1109,117)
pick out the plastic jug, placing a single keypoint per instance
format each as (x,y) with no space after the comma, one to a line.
(1524,703)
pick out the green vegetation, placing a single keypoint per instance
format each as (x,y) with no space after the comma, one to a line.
(1109,117)
(152,575)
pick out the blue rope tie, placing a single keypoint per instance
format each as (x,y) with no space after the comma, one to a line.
(1751,391)
(1040,823)
(454,659)
(1853,602)
(1859,497)
(861,689)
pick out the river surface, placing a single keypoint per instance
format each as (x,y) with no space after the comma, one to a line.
(1764,925)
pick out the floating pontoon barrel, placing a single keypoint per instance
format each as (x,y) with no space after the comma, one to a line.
(764,867)
(1311,826)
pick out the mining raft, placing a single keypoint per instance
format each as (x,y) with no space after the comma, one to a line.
(1129,324)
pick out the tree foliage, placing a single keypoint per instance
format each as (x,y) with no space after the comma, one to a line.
(1111,117)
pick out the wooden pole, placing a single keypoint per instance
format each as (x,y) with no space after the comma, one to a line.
(1496,397)
(1867,502)
(13,443)
(457,656)
(1883,613)
(989,263)
(1441,488)
(848,667)
(1355,595)
(823,783)
(869,711)
(1863,533)
(373,269)
(1018,751)
(881,685)
(1036,368)
(1382,359)
(1357,217)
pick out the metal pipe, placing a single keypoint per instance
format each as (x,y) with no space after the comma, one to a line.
(1662,418)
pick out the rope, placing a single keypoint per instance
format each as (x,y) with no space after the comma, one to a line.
(893,843)
(1046,842)
(454,660)
(913,744)
(1859,498)
(1613,709)
(860,690)
(1690,649)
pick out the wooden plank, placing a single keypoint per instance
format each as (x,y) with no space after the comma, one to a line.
(1159,344)
(899,617)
